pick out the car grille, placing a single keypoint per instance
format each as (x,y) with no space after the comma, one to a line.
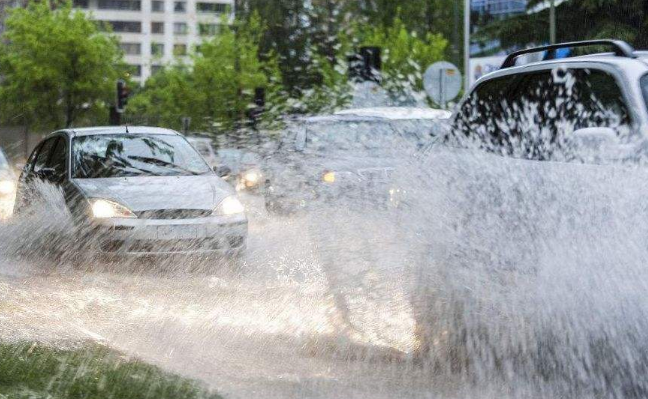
(167,214)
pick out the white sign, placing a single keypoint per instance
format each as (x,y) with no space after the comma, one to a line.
(481,66)
(442,82)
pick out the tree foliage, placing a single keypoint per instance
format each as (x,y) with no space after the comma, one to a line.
(405,56)
(58,69)
(619,19)
(217,90)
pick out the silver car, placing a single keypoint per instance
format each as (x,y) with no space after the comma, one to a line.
(136,191)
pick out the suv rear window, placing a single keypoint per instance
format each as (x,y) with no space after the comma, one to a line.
(530,115)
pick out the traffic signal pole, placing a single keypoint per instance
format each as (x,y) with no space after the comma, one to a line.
(467,45)
(121,99)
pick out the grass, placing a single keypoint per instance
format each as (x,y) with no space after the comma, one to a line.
(31,371)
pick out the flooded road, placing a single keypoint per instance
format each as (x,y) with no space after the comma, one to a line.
(548,283)
(269,329)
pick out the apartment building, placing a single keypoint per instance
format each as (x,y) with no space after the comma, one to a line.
(153,33)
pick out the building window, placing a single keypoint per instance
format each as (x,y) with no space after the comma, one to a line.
(131,48)
(180,6)
(157,6)
(156,68)
(135,70)
(157,27)
(157,49)
(124,26)
(80,3)
(179,49)
(207,29)
(216,8)
(180,28)
(128,5)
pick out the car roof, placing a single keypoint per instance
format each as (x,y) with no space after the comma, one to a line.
(638,63)
(381,114)
(92,131)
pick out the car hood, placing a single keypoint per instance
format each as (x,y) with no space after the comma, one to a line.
(159,192)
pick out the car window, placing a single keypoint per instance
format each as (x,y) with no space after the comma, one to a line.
(531,115)
(123,155)
(43,154)
(58,160)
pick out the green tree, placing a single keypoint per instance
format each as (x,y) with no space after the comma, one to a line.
(286,34)
(577,20)
(217,90)
(405,55)
(57,67)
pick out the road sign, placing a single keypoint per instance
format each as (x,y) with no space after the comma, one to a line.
(442,82)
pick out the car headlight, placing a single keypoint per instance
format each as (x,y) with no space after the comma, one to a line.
(105,209)
(7,187)
(328,177)
(229,206)
(251,177)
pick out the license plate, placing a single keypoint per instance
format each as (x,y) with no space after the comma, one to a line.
(177,232)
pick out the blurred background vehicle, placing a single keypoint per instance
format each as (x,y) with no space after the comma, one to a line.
(205,147)
(7,186)
(346,154)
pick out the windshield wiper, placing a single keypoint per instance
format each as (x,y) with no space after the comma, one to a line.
(161,162)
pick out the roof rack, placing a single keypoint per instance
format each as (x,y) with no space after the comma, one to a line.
(621,49)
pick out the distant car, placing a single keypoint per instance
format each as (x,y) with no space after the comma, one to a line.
(349,153)
(136,191)
(241,168)
(204,146)
(7,186)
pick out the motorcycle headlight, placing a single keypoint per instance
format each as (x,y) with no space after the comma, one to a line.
(229,206)
(105,209)
(7,187)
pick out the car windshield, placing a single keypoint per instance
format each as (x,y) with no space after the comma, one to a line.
(364,135)
(126,155)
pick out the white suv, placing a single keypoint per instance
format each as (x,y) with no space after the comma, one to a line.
(538,110)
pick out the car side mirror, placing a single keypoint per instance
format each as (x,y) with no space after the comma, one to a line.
(223,171)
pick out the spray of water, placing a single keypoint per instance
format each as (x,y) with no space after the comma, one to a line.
(486,277)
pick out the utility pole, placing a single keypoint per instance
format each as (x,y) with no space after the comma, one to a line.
(467,45)
(552,21)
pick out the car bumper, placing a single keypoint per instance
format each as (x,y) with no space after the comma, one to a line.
(136,237)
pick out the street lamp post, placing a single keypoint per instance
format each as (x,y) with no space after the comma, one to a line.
(466,45)
(552,21)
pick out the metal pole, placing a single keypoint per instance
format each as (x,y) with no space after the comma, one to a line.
(466,45)
(552,21)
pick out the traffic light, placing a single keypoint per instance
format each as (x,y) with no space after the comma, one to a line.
(122,96)
(365,66)
(254,113)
